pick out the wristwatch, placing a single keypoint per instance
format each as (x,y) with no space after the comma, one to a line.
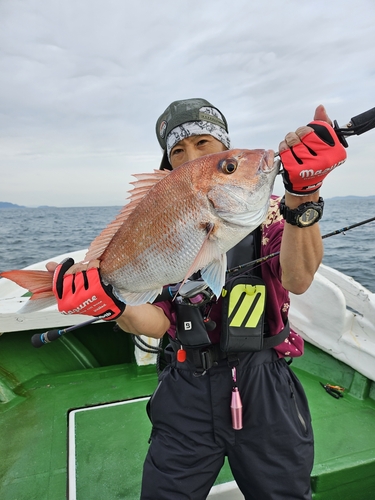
(305,215)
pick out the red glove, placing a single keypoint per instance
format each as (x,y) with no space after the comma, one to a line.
(85,293)
(307,164)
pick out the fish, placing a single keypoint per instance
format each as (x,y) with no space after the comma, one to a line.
(175,223)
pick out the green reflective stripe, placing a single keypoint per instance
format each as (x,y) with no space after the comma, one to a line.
(246,305)
(256,314)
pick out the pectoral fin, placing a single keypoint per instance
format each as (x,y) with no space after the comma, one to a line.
(214,274)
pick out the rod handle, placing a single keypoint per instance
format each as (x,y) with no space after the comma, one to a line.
(40,339)
(364,121)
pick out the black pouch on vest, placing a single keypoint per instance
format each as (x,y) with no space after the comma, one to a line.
(243,311)
(191,330)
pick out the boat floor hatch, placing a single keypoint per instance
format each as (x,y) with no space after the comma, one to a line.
(107,445)
(107,442)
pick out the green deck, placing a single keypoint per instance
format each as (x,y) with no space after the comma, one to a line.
(103,447)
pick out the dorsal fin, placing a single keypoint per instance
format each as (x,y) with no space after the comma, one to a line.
(142,186)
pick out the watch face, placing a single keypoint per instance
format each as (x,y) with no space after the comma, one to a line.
(308,217)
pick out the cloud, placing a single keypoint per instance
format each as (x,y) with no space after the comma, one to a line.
(82,84)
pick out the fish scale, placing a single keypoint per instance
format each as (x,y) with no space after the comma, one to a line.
(167,246)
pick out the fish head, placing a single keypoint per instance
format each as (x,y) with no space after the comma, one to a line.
(238,184)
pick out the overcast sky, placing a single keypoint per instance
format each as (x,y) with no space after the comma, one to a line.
(83,82)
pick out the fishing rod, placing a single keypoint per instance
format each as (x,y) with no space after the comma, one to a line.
(356,126)
(193,288)
(255,262)
(347,228)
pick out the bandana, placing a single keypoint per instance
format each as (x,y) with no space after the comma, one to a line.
(201,127)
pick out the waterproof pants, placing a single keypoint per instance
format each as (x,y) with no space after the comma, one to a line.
(271,458)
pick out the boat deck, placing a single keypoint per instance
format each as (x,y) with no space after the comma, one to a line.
(73,419)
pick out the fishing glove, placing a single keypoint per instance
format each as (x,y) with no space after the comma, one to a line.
(307,164)
(85,293)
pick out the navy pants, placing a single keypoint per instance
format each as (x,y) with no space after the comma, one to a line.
(271,458)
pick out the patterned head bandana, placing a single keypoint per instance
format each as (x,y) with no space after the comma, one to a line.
(201,127)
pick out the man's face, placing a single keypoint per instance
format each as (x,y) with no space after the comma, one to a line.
(194,147)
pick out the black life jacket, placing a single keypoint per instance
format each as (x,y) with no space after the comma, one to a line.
(191,327)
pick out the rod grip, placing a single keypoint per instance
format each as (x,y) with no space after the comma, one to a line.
(364,121)
(40,339)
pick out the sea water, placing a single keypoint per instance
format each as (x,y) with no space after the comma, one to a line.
(351,252)
(29,235)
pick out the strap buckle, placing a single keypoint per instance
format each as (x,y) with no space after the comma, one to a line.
(207,359)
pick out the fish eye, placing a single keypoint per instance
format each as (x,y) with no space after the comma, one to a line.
(229,166)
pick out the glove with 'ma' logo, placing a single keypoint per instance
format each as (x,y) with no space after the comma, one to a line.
(310,161)
(85,293)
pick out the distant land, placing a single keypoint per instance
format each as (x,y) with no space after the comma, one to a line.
(6,204)
(350,197)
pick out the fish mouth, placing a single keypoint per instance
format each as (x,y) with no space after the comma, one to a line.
(268,163)
(270,166)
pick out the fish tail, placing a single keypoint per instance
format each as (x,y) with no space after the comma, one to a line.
(39,283)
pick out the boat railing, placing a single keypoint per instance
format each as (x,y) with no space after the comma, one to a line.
(337,314)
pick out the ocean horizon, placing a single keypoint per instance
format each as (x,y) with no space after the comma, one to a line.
(32,235)
(7,204)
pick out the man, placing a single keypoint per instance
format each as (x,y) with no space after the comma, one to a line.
(270,448)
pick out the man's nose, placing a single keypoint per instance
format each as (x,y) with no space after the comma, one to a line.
(193,154)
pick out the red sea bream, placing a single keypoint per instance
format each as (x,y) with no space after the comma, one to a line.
(175,224)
